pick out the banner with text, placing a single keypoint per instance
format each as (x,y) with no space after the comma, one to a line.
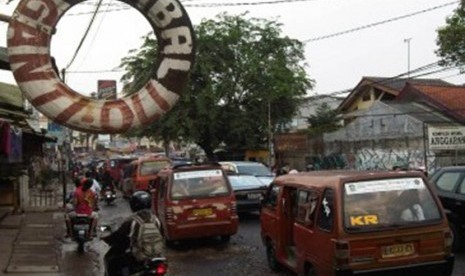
(446,138)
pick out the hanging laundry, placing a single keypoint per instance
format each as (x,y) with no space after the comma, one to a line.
(16,145)
(5,138)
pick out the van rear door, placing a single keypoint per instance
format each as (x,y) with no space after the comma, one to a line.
(392,222)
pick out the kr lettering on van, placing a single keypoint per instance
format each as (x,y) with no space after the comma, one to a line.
(364,220)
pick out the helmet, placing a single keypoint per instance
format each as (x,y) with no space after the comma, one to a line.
(140,200)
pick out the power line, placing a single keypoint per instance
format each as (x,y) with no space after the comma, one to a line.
(371,25)
(95,71)
(414,74)
(204,5)
(92,40)
(85,34)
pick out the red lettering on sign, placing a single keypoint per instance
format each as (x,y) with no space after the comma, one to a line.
(125,111)
(140,112)
(33,67)
(161,102)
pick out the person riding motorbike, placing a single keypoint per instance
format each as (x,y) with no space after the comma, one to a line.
(121,255)
(84,200)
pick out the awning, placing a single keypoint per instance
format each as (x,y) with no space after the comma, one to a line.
(4,61)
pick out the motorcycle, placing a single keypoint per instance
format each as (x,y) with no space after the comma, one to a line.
(81,227)
(109,195)
(153,267)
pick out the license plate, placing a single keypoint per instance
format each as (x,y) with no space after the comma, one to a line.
(254,196)
(202,212)
(81,227)
(397,250)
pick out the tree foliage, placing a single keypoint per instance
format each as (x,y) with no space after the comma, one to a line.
(451,38)
(324,120)
(243,68)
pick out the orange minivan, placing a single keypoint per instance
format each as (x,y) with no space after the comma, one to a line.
(194,201)
(353,222)
(138,173)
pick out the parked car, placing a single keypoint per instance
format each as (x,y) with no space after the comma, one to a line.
(194,201)
(262,172)
(450,186)
(249,192)
(139,173)
(353,222)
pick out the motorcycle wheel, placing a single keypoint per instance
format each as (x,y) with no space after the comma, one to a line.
(80,248)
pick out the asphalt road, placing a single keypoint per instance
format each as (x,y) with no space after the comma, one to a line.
(243,255)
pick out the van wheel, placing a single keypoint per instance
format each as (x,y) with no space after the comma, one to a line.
(456,238)
(271,257)
(225,238)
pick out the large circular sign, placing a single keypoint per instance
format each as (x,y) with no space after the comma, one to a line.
(29,35)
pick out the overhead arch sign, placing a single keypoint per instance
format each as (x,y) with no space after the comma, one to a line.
(31,28)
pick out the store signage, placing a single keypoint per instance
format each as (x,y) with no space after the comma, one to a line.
(446,138)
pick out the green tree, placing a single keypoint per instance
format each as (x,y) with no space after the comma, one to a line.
(324,120)
(451,38)
(243,68)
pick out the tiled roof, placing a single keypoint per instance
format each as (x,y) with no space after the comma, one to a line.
(451,98)
(421,112)
(399,83)
(391,86)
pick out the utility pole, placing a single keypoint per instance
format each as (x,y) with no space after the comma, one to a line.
(270,138)
(407,40)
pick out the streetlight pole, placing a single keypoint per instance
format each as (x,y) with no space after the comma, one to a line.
(407,40)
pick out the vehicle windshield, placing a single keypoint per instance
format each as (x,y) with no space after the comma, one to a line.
(239,181)
(200,183)
(254,169)
(153,167)
(371,205)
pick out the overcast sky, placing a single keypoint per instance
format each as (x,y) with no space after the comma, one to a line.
(370,37)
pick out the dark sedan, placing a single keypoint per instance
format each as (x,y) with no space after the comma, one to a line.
(249,191)
(450,187)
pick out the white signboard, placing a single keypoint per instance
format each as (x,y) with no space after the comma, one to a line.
(197,174)
(446,138)
(386,185)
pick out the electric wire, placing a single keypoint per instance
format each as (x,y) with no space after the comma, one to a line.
(92,40)
(371,25)
(85,34)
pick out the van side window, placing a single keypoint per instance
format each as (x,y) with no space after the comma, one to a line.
(306,206)
(326,213)
(271,198)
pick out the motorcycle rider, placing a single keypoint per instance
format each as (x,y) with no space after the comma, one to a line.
(120,257)
(84,200)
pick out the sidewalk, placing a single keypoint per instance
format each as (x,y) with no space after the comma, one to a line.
(31,243)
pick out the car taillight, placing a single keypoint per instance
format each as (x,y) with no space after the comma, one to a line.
(448,239)
(341,253)
(169,214)
(233,208)
(161,270)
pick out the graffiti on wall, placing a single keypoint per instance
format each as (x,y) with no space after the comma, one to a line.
(376,159)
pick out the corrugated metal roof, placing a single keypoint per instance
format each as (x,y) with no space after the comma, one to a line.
(11,95)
